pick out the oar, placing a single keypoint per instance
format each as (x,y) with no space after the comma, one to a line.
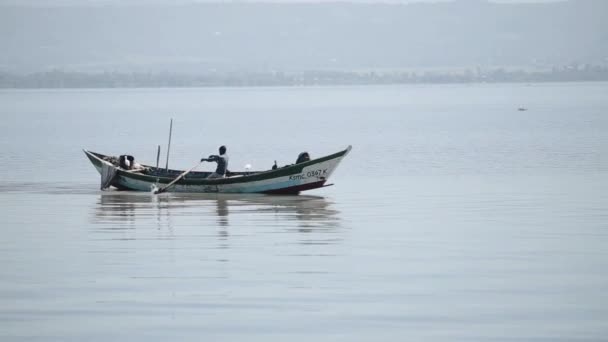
(158,191)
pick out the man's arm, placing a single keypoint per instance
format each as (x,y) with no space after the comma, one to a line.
(212,158)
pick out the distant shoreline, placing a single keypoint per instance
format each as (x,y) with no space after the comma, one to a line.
(69,80)
(294,86)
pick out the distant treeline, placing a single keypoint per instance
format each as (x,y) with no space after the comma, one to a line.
(66,79)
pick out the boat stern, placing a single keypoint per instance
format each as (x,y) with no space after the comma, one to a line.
(313,175)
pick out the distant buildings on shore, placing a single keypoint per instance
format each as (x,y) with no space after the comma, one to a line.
(68,79)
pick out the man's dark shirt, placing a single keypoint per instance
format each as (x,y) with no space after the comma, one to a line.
(222,163)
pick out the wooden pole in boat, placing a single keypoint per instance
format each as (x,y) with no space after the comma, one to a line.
(157,156)
(169,145)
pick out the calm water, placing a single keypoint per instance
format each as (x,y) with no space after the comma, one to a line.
(455,218)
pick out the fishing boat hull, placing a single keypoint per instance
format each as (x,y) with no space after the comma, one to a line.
(290,179)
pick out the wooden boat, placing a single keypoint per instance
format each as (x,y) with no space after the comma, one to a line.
(290,179)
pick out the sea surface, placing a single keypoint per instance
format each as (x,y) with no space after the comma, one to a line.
(456,217)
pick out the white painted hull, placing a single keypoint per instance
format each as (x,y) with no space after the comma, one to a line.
(313,174)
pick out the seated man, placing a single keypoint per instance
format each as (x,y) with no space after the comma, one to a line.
(222,163)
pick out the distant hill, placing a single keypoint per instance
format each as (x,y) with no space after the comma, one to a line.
(292,37)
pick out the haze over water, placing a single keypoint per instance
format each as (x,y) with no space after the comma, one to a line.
(456,217)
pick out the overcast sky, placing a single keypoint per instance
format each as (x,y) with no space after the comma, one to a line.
(110,35)
(97,2)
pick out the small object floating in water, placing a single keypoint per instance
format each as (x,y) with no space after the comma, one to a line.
(522,109)
(306,174)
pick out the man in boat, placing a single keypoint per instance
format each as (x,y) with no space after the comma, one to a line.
(222,163)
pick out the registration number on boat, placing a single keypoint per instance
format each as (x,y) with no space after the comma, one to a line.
(313,173)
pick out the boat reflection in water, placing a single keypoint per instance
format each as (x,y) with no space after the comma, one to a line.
(229,213)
